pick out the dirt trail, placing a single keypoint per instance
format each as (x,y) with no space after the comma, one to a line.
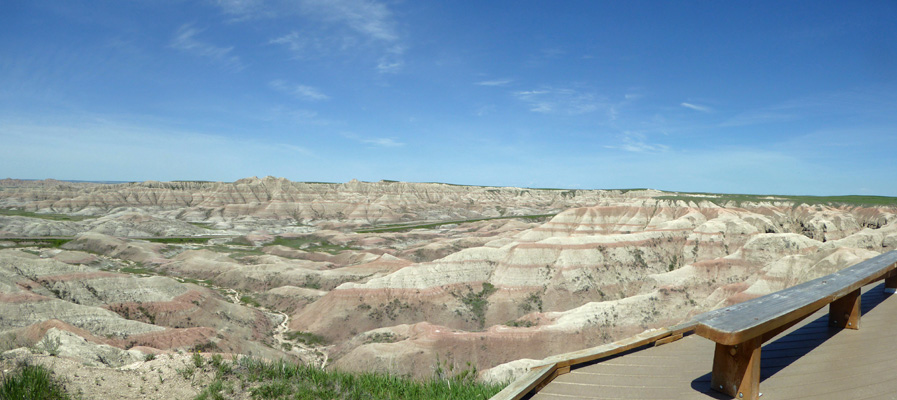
(317,355)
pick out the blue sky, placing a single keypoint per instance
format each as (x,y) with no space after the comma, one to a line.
(737,97)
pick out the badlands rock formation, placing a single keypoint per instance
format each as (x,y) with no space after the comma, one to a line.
(253,203)
(509,274)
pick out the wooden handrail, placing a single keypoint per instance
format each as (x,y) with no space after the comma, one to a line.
(740,330)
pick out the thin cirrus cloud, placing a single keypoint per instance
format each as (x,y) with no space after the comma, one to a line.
(496,82)
(560,101)
(381,141)
(185,40)
(637,143)
(334,27)
(697,107)
(301,92)
(369,18)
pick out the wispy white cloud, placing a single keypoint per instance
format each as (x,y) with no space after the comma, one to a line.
(369,18)
(697,107)
(381,142)
(364,28)
(296,116)
(384,142)
(301,92)
(868,104)
(495,82)
(484,110)
(185,40)
(757,118)
(560,101)
(244,8)
(281,115)
(637,143)
(388,65)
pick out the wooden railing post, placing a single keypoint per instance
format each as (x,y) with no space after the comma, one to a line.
(845,312)
(891,283)
(736,369)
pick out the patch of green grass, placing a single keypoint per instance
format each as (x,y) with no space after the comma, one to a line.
(179,240)
(38,242)
(208,347)
(520,324)
(140,271)
(738,199)
(403,228)
(200,282)
(212,392)
(310,244)
(308,338)
(198,361)
(384,337)
(29,382)
(286,380)
(235,252)
(48,216)
(248,300)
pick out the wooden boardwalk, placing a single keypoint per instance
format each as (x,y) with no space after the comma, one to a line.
(851,364)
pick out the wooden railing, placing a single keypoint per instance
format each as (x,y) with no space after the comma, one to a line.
(739,330)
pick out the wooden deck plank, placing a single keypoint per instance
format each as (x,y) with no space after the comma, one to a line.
(802,363)
(610,349)
(520,387)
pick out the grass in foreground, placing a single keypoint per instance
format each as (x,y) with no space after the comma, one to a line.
(28,382)
(285,380)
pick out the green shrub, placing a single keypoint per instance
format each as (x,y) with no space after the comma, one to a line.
(29,382)
(248,300)
(198,360)
(308,338)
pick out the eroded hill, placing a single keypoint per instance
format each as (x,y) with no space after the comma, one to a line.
(391,276)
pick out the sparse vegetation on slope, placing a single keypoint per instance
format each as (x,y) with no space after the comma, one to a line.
(53,217)
(179,240)
(38,242)
(306,337)
(406,227)
(723,199)
(310,244)
(477,302)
